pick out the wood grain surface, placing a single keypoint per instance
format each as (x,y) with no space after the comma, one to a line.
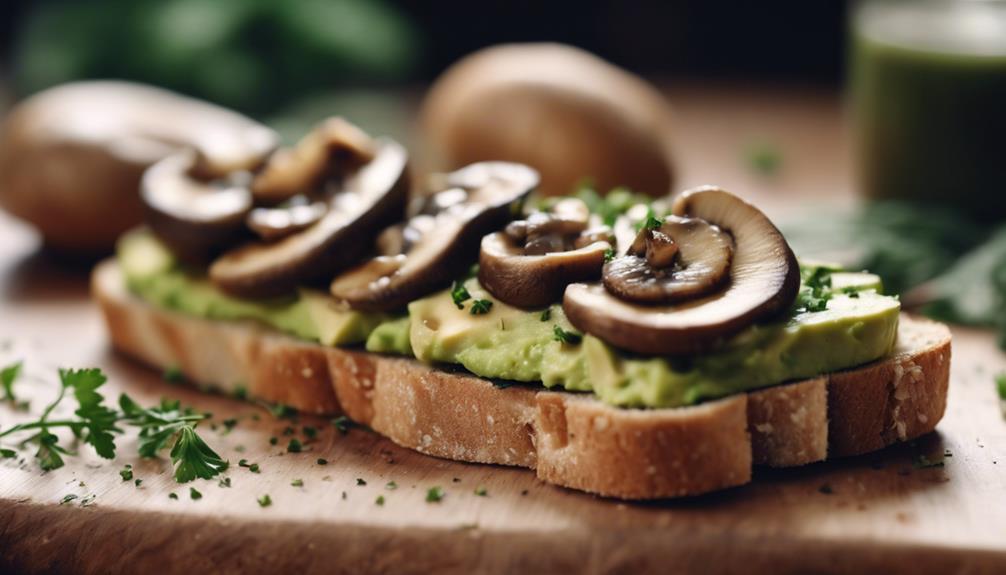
(867,514)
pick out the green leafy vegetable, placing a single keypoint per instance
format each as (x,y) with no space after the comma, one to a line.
(9,375)
(563,336)
(459,293)
(481,306)
(434,494)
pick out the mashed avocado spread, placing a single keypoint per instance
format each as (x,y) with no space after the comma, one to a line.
(851,324)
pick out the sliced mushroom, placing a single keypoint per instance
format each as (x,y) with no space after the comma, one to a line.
(446,243)
(194,218)
(335,147)
(530,263)
(682,259)
(363,203)
(272,224)
(763,281)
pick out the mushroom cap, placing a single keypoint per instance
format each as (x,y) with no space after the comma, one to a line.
(535,281)
(366,201)
(72,156)
(449,243)
(195,218)
(764,280)
(559,109)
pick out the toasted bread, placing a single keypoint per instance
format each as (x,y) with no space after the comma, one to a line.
(570,439)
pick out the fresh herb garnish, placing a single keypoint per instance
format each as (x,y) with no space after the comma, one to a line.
(546,315)
(360,481)
(1001,385)
(310,432)
(173,495)
(342,424)
(652,221)
(225,482)
(459,293)
(68,498)
(764,158)
(126,473)
(391,485)
(8,375)
(816,290)
(96,424)
(273,440)
(281,411)
(264,501)
(609,207)
(434,494)
(563,336)
(609,254)
(481,306)
(7,453)
(297,483)
(194,494)
(379,501)
(137,482)
(173,374)
(322,461)
(230,424)
(923,462)
(253,467)
(295,446)
(481,491)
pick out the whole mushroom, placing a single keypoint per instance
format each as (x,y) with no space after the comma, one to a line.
(71,157)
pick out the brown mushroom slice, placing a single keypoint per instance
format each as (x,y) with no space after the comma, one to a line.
(366,201)
(194,218)
(682,259)
(764,279)
(448,242)
(334,146)
(272,224)
(534,281)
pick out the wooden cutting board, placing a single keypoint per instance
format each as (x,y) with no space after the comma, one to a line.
(876,513)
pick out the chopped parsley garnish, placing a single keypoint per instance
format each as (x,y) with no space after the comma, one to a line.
(97,425)
(295,446)
(173,374)
(481,306)
(391,485)
(609,254)
(764,158)
(137,482)
(297,483)
(126,473)
(8,375)
(816,290)
(360,481)
(225,482)
(563,336)
(379,501)
(434,494)
(264,501)
(173,495)
(342,424)
(230,424)
(1001,385)
(546,315)
(281,411)
(8,453)
(652,221)
(923,462)
(481,491)
(194,494)
(273,440)
(322,461)
(68,498)
(240,392)
(459,293)
(289,430)
(253,467)
(310,432)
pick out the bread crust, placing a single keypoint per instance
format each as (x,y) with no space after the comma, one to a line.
(570,439)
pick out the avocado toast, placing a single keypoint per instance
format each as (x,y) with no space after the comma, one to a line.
(632,349)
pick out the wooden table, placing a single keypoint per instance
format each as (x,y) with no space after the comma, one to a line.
(875,513)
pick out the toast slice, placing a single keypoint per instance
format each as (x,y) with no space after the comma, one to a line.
(570,439)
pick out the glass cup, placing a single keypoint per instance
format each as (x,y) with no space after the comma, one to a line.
(929,99)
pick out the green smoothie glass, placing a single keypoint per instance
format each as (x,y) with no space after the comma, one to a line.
(929,97)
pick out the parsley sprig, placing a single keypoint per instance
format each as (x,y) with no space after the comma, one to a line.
(96,424)
(816,290)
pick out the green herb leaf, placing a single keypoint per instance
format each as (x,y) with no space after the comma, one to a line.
(481,307)
(459,293)
(68,498)
(546,315)
(322,461)
(342,424)
(923,462)
(1001,386)
(297,483)
(173,374)
(126,473)
(391,485)
(481,491)
(264,501)
(7,453)
(224,482)
(98,421)
(295,446)
(9,375)
(652,222)
(360,481)
(173,495)
(194,494)
(379,501)
(764,158)
(310,432)
(568,337)
(434,494)
(137,482)
(609,254)
(192,458)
